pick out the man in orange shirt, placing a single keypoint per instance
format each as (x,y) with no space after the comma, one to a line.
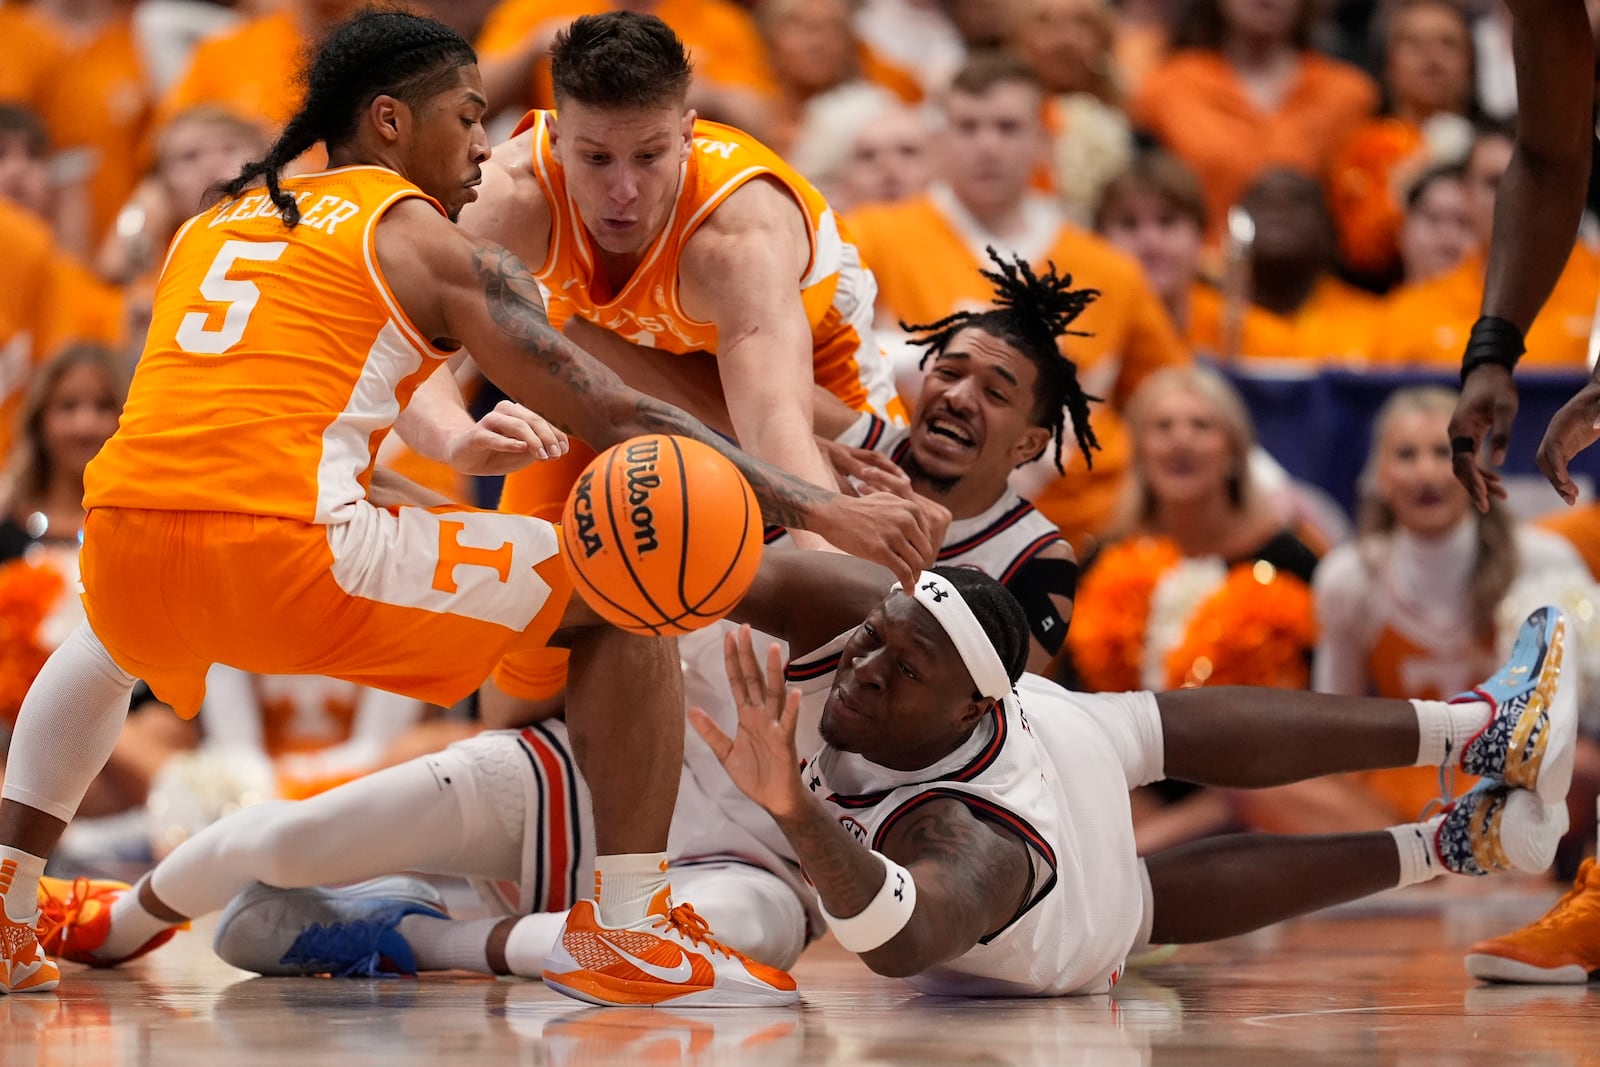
(926,253)
(1427,324)
(231,517)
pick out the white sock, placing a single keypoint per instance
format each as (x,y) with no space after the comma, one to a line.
(531,941)
(449,944)
(19,883)
(1418,860)
(131,925)
(1444,729)
(625,886)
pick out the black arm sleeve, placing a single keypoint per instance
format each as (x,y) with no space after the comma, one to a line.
(1033,585)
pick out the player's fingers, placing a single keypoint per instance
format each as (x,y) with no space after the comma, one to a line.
(775,680)
(790,716)
(1465,465)
(1500,435)
(738,680)
(721,744)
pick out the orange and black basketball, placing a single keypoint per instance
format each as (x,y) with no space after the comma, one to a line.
(662,535)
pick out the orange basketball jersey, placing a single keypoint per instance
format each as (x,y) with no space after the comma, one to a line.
(276,362)
(837,290)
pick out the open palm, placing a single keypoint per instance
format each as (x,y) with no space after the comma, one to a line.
(760,757)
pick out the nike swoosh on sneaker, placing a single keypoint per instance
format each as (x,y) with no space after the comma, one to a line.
(676,975)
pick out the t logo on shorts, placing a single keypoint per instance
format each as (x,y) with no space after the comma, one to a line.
(453,554)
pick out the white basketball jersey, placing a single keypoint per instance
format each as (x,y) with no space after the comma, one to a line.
(1040,768)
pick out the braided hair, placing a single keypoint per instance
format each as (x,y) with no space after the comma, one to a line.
(1030,314)
(376,53)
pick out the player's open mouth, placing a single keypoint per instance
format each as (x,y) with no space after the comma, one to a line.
(953,434)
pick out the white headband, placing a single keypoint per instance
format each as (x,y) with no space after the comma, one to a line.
(977,652)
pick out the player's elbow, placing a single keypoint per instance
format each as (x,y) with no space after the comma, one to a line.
(908,953)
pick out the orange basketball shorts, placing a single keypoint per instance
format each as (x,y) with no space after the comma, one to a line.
(418,601)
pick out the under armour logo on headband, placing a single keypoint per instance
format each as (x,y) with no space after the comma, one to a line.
(938,593)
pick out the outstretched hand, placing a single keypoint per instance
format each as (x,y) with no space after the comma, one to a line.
(1574,428)
(901,532)
(1487,407)
(760,757)
(507,439)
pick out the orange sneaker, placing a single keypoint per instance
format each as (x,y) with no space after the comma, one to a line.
(24,968)
(1563,948)
(75,918)
(668,957)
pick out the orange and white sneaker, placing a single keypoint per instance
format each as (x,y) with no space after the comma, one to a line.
(669,957)
(1561,948)
(75,918)
(24,968)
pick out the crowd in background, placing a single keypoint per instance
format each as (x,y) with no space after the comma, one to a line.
(1247,183)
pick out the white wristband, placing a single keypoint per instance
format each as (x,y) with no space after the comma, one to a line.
(880,920)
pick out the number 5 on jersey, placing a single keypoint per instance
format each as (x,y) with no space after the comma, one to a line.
(240,296)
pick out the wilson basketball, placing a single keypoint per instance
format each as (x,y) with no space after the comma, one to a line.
(662,535)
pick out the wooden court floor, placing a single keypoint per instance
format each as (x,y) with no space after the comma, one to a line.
(1380,984)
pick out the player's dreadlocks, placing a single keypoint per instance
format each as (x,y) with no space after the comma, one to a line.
(1030,314)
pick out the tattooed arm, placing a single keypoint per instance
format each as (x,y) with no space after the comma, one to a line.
(460,290)
(972,877)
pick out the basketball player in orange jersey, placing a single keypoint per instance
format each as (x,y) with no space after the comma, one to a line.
(660,236)
(230,518)
(1536,212)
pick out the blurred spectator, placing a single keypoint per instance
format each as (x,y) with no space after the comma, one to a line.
(1155,211)
(25,161)
(916,35)
(1310,314)
(47,299)
(252,69)
(811,49)
(1436,233)
(1424,601)
(927,251)
(1426,324)
(732,82)
(1067,45)
(1143,36)
(31,54)
(168,32)
(71,408)
(1428,92)
(859,144)
(1496,76)
(1204,585)
(98,108)
(1246,92)
(195,150)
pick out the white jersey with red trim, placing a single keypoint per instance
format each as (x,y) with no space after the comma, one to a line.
(1041,768)
(558,827)
(998,541)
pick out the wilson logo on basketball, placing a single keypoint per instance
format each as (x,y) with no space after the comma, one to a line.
(641,458)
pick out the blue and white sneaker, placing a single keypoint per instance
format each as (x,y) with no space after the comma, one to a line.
(1531,738)
(349,932)
(1494,828)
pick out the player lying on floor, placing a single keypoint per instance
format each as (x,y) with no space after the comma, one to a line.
(966,825)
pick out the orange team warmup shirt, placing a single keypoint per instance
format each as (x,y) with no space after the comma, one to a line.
(228,519)
(1426,324)
(31,54)
(101,102)
(1196,105)
(836,290)
(927,267)
(47,300)
(249,70)
(721,37)
(1337,324)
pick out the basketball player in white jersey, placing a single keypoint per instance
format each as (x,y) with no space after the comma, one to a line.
(966,825)
(996,389)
